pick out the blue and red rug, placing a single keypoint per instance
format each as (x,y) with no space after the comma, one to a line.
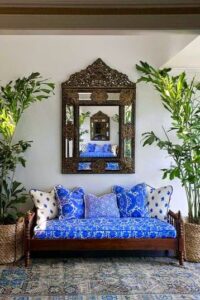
(120,278)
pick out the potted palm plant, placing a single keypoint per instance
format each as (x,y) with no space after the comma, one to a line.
(15,97)
(180,97)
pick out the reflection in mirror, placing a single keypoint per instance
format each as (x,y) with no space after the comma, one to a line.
(110,166)
(113,96)
(84,96)
(84,166)
(98,139)
(69,130)
(87,96)
(128,114)
(100,127)
(127,148)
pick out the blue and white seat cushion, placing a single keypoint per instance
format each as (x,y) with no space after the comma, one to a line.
(101,207)
(102,228)
(71,203)
(46,204)
(158,202)
(132,202)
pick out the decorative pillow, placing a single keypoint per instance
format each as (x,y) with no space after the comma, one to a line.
(132,202)
(46,204)
(91,147)
(98,148)
(71,203)
(114,149)
(107,148)
(101,207)
(158,202)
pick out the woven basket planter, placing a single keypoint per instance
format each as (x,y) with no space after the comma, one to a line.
(11,242)
(192,242)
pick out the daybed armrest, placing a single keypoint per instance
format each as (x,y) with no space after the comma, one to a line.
(30,221)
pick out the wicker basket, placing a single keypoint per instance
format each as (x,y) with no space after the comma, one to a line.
(11,242)
(192,242)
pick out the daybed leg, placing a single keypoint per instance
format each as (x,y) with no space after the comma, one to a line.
(181,241)
(181,257)
(27,258)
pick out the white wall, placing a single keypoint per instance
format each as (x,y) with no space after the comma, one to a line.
(56,57)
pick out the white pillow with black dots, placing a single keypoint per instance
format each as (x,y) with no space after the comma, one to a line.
(46,204)
(158,201)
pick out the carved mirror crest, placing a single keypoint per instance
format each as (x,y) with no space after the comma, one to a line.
(98,121)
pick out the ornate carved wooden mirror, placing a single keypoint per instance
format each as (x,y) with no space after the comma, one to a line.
(98,121)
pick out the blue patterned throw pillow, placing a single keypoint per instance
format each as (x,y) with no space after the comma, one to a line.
(98,148)
(91,147)
(107,148)
(71,203)
(101,207)
(158,202)
(132,202)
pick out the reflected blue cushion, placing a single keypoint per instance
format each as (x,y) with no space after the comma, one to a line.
(107,148)
(98,148)
(101,207)
(90,147)
(132,202)
(71,203)
(110,166)
(121,228)
(84,166)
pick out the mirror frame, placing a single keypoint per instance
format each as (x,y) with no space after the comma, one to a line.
(99,80)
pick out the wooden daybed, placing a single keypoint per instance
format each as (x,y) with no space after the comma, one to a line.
(177,244)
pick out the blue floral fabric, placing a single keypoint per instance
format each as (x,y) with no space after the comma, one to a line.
(91,147)
(107,148)
(101,207)
(121,228)
(112,166)
(71,203)
(132,202)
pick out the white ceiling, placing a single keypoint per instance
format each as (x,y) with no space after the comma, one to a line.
(188,57)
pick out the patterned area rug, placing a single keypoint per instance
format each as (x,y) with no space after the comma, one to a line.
(121,278)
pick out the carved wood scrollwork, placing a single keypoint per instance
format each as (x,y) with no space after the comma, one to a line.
(69,131)
(99,96)
(127,131)
(72,97)
(98,75)
(127,96)
(99,166)
(127,165)
(71,165)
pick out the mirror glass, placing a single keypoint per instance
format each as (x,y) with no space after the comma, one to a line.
(69,131)
(128,114)
(100,127)
(87,166)
(113,96)
(98,131)
(83,96)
